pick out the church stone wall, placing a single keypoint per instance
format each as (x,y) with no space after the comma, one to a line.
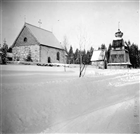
(51,53)
(21,52)
(38,53)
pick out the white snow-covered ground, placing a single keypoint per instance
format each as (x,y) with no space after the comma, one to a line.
(38,99)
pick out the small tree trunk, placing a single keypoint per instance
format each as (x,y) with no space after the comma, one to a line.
(80,65)
(80,71)
(64,68)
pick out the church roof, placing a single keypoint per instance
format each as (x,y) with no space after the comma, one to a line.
(43,36)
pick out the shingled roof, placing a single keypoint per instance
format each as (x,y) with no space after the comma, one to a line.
(43,36)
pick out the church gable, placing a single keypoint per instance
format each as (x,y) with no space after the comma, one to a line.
(25,38)
(26,45)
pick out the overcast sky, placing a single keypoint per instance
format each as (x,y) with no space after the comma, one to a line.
(98,19)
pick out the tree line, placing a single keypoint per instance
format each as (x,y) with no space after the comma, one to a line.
(3,53)
(73,57)
(134,54)
(83,56)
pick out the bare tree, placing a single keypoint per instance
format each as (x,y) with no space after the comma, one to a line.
(65,54)
(83,41)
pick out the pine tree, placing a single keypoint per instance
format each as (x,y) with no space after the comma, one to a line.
(103,46)
(133,53)
(88,57)
(84,56)
(65,46)
(4,53)
(71,55)
(91,51)
(139,58)
(108,53)
(76,56)
(29,57)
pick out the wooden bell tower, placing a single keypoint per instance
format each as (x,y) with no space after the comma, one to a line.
(119,55)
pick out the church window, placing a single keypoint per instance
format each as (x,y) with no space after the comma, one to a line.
(58,56)
(49,60)
(25,39)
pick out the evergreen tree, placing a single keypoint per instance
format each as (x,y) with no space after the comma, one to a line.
(91,52)
(84,56)
(76,56)
(88,57)
(29,57)
(4,52)
(9,50)
(139,58)
(103,46)
(65,46)
(133,53)
(108,53)
(71,55)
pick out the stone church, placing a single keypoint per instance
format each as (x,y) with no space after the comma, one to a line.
(40,44)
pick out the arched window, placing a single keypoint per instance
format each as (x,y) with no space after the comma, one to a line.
(25,39)
(58,56)
(49,60)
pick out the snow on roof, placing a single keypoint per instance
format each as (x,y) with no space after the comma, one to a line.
(98,55)
(43,36)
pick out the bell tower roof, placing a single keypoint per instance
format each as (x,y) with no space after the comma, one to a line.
(119,34)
